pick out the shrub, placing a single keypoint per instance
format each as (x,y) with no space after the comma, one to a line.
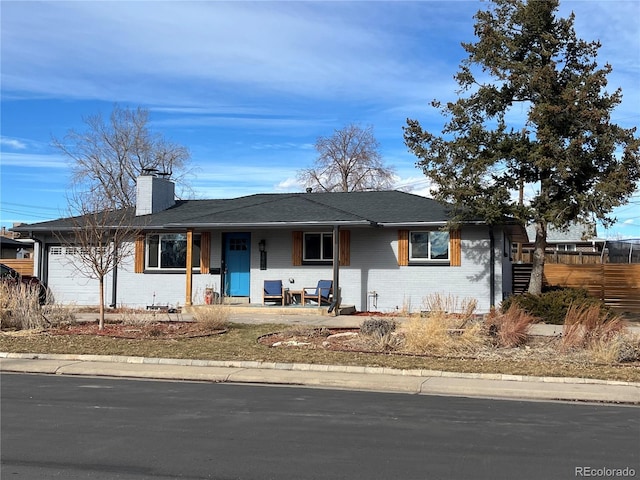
(616,348)
(212,317)
(20,307)
(138,318)
(587,325)
(437,334)
(510,329)
(377,326)
(448,304)
(57,314)
(552,305)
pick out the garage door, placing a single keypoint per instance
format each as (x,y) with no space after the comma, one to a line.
(70,281)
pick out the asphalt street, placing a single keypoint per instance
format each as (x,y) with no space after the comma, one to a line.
(75,427)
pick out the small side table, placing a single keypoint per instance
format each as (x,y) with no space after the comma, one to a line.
(295,297)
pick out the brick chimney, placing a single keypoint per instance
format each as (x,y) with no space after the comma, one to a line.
(153,193)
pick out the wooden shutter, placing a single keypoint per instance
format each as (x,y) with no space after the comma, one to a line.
(205,252)
(403,248)
(345,247)
(138,261)
(296,249)
(455,248)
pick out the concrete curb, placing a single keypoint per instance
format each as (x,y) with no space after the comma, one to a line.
(329,376)
(308,367)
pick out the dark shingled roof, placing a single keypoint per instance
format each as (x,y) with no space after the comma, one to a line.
(11,243)
(349,208)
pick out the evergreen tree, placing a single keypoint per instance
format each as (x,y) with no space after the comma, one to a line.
(580,164)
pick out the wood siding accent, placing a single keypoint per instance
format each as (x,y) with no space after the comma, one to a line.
(296,250)
(345,248)
(24,266)
(403,248)
(455,248)
(138,266)
(205,252)
(617,284)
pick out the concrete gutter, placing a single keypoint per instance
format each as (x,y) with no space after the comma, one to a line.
(423,382)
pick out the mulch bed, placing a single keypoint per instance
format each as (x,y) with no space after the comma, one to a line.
(537,348)
(157,330)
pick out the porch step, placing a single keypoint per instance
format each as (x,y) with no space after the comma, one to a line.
(258,309)
(236,300)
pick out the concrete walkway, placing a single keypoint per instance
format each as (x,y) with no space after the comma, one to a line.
(427,382)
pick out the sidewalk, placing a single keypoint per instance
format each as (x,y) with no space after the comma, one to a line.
(424,382)
(328,376)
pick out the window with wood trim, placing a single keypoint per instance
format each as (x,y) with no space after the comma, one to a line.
(317,247)
(424,247)
(168,251)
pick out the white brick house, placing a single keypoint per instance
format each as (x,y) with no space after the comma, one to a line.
(384,251)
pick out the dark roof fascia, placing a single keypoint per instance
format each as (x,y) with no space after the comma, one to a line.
(266,224)
(62,229)
(412,224)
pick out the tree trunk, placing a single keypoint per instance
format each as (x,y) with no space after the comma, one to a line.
(537,271)
(101,317)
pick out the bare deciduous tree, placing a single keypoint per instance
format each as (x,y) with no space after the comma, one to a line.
(99,238)
(348,161)
(110,154)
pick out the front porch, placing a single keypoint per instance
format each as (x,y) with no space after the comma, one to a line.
(243,307)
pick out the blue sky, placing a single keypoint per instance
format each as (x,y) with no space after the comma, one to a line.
(249,86)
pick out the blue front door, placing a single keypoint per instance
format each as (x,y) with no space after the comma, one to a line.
(237,257)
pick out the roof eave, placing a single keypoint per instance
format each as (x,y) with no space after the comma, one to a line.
(439,223)
(327,223)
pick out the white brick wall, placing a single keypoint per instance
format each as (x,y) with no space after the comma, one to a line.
(373,268)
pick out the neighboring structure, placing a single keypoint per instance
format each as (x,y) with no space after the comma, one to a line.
(577,237)
(384,251)
(15,249)
(16,254)
(578,243)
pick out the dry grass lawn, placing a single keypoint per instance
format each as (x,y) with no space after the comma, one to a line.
(240,342)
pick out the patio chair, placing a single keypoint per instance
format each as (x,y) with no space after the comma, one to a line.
(319,294)
(273,291)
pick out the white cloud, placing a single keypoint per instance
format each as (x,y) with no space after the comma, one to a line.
(33,160)
(12,143)
(289,185)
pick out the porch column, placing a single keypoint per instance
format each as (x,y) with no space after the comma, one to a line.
(189,268)
(336,271)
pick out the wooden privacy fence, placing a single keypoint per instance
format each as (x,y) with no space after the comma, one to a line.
(615,283)
(571,258)
(24,266)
